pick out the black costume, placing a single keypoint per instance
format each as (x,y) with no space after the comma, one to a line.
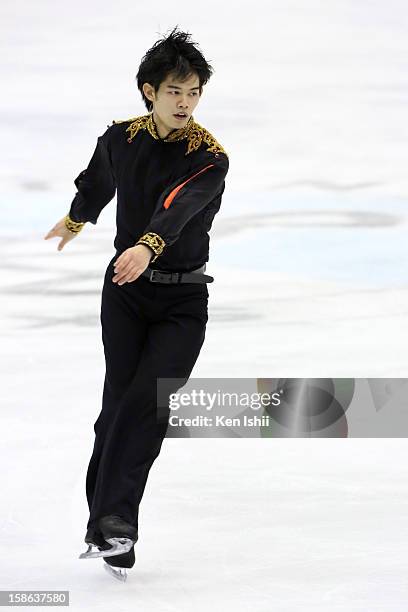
(168,191)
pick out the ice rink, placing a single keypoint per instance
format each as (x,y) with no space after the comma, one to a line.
(310,262)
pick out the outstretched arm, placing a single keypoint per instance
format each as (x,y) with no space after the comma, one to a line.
(96,187)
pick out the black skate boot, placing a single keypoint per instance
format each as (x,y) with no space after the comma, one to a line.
(115,565)
(122,536)
(116,532)
(113,537)
(119,533)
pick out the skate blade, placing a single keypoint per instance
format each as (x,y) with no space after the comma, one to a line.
(93,554)
(117,572)
(119,546)
(89,554)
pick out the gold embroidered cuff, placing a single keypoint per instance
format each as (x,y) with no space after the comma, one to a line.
(73,226)
(155,242)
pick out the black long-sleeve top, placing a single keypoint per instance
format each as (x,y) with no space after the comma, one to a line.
(168,189)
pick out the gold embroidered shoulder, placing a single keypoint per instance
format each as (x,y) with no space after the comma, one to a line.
(193,132)
(197,135)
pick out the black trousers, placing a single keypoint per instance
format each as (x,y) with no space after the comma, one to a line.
(149,331)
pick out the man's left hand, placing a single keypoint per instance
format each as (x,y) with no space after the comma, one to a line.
(131,263)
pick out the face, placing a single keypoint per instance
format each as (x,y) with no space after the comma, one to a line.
(171,98)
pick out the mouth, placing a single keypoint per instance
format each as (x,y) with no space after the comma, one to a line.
(180,116)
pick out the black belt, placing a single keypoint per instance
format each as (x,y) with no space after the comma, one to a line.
(161,276)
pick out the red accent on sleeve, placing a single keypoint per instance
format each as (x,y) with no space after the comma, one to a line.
(175,191)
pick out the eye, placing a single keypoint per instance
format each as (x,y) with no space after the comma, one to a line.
(193,93)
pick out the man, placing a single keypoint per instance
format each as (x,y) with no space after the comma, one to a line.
(169,173)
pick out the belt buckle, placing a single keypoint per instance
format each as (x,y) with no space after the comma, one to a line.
(166,277)
(151,279)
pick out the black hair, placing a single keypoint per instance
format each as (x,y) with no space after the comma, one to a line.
(175,54)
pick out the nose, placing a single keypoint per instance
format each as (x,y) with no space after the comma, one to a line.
(183,103)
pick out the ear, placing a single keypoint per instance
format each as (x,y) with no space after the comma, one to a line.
(148,91)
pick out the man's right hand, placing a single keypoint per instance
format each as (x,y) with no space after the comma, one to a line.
(61,230)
